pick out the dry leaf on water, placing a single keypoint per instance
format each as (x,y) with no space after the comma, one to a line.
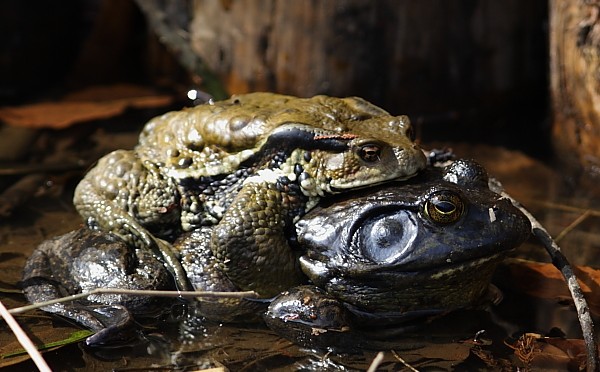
(90,104)
(550,353)
(543,280)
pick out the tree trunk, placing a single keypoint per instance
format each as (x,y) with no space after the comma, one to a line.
(407,56)
(575,82)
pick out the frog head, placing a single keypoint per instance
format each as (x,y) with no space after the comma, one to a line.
(376,150)
(366,162)
(429,243)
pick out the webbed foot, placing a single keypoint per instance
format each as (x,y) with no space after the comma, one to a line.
(84,260)
(308,316)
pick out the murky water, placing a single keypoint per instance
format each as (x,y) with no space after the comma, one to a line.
(461,340)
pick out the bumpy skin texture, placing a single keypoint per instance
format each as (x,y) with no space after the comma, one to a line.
(391,254)
(380,256)
(83,260)
(250,165)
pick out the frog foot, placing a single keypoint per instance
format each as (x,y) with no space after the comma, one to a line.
(101,199)
(112,324)
(118,325)
(83,260)
(308,316)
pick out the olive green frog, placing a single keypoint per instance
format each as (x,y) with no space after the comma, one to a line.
(249,166)
(372,258)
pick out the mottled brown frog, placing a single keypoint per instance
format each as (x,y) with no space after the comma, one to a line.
(249,166)
(378,257)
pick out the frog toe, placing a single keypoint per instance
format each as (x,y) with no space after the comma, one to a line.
(308,316)
(117,325)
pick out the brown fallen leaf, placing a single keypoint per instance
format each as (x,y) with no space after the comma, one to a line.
(90,104)
(436,356)
(46,337)
(550,353)
(543,280)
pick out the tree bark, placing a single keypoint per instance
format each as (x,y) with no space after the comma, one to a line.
(575,82)
(407,56)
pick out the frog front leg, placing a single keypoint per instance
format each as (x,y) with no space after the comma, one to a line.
(84,260)
(250,241)
(205,275)
(135,202)
(307,315)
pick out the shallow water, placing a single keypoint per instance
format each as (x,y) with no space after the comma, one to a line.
(453,341)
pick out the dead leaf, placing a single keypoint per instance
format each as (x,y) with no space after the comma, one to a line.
(90,104)
(441,356)
(544,353)
(46,338)
(543,280)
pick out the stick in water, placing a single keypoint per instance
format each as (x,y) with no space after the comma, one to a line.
(97,291)
(24,340)
(561,263)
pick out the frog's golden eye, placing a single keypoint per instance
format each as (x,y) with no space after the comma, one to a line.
(444,207)
(370,153)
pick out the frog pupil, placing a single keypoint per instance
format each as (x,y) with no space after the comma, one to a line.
(444,206)
(370,153)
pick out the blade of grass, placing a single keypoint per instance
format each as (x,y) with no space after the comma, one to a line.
(24,340)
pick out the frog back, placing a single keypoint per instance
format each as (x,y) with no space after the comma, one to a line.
(216,137)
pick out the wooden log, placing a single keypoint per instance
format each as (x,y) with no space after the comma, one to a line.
(407,56)
(575,82)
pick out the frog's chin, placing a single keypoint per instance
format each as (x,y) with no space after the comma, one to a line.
(340,187)
(319,271)
(388,290)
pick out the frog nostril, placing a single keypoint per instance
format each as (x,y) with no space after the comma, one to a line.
(185,162)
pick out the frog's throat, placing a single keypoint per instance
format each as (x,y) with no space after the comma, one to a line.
(333,189)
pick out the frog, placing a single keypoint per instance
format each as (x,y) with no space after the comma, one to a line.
(84,260)
(248,167)
(378,256)
(399,254)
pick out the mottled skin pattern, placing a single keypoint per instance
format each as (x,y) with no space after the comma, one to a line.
(381,255)
(84,260)
(250,165)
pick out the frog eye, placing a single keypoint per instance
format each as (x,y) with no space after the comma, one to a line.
(444,207)
(386,237)
(370,153)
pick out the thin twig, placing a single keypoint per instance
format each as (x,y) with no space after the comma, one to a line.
(562,207)
(98,291)
(573,225)
(24,340)
(560,262)
(376,362)
(395,354)
(19,193)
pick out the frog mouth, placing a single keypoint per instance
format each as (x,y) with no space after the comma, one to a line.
(388,291)
(357,185)
(319,272)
